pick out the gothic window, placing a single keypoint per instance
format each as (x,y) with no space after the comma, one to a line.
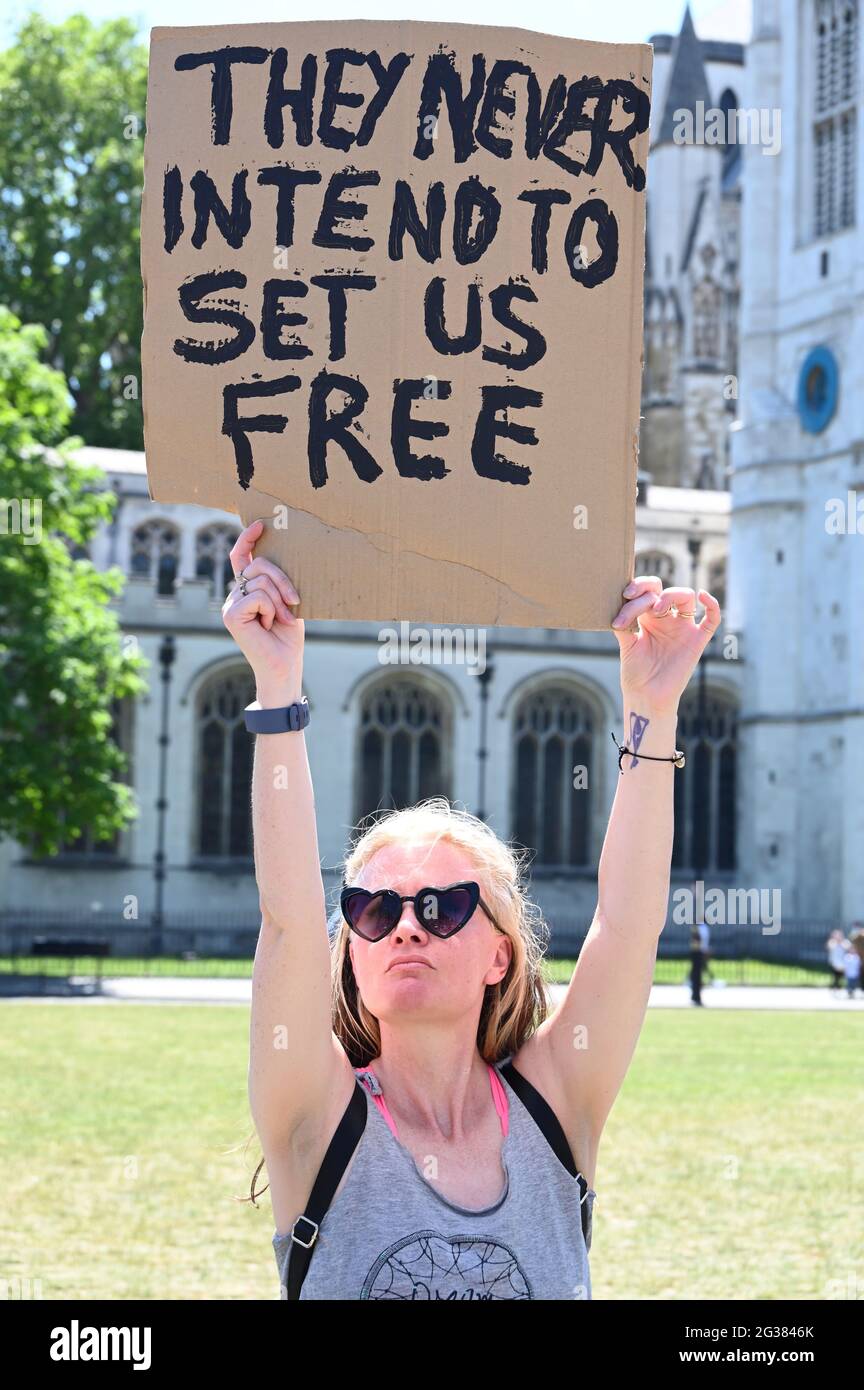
(156,554)
(225,767)
(212,547)
(403,746)
(707,306)
(731,145)
(662,341)
(553,738)
(705,786)
(835,115)
(656,562)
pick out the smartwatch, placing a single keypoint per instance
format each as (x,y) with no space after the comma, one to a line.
(286,719)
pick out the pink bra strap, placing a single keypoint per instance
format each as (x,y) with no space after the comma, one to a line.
(499,1096)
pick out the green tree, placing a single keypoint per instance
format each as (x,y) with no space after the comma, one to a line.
(63,661)
(72,100)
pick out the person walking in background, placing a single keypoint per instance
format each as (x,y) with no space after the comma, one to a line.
(705,942)
(852,969)
(836,948)
(856,941)
(697,962)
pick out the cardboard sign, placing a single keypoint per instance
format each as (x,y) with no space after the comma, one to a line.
(393,306)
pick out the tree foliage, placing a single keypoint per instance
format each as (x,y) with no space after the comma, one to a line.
(72,101)
(63,660)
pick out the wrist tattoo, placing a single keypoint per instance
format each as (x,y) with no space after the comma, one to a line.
(638,725)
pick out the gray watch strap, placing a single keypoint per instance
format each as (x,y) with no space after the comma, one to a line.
(286,719)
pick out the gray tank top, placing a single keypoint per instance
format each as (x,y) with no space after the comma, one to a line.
(390,1234)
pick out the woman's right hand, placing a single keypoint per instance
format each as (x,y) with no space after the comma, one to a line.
(261,622)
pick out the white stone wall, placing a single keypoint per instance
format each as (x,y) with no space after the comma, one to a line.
(794,588)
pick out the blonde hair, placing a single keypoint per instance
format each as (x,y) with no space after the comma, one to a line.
(513,1008)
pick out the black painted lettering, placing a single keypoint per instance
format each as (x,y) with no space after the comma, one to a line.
(535,344)
(336,285)
(402,428)
(286,181)
(487,463)
(224,350)
(324,427)
(222,100)
(238,430)
(335,208)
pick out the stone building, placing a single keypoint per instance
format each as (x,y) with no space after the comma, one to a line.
(797,532)
(527,706)
(691,260)
(505,739)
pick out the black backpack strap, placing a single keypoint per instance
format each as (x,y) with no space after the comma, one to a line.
(544,1116)
(304,1232)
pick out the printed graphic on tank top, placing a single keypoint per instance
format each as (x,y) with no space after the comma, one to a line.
(389,1234)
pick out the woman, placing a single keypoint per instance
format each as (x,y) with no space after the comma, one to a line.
(836,948)
(429,1129)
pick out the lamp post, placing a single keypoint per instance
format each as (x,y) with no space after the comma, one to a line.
(167,653)
(484,677)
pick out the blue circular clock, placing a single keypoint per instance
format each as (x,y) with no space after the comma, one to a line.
(818,386)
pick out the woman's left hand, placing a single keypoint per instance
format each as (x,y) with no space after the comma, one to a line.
(658,659)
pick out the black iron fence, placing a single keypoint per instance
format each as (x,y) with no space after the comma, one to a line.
(200,944)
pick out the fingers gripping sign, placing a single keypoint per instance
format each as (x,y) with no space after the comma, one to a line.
(257,611)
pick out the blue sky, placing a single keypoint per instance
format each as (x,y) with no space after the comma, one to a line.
(616,21)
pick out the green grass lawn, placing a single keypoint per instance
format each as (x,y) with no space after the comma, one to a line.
(732,1165)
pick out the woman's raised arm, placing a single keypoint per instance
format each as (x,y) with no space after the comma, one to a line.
(293,1057)
(593,1032)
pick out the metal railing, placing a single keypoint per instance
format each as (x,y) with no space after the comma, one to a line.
(202,944)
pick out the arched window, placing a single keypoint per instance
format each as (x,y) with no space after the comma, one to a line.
(403,746)
(212,548)
(225,767)
(553,738)
(705,786)
(731,148)
(662,341)
(707,307)
(656,562)
(156,554)
(834,115)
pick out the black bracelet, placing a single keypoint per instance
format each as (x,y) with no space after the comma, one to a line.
(677,757)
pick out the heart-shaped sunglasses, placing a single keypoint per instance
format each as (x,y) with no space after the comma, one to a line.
(441,911)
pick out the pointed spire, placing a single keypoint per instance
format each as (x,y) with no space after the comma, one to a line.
(687,80)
